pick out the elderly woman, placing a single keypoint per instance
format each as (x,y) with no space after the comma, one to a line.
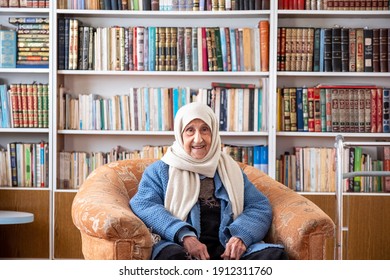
(198,202)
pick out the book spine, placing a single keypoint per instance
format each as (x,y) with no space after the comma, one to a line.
(386,110)
(368,50)
(336,50)
(8,48)
(327,49)
(359,50)
(264,45)
(383,49)
(345,49)
(379,107)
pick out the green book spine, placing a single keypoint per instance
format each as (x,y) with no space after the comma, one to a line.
(357,166)
(218,48)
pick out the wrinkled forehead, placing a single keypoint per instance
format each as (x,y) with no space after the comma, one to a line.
(189,121)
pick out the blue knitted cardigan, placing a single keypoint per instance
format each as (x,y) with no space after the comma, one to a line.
(251,225)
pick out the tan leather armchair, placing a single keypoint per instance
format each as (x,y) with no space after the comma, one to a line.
(110,230)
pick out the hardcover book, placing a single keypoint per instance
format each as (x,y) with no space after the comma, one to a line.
(8,48)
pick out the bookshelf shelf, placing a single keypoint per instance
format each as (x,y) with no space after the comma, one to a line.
(331,14)
(332,134)
(25,70)
(333,74)
(24,130)
(163,73)
(165,14)
(32,11)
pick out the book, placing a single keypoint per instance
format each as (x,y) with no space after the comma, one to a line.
(386,110)
(376,50)
(368,49)
(352,49)
(359,50)
(8,48)
(264,44)
(357,166)
(345,49)
(336,51)
(383,49)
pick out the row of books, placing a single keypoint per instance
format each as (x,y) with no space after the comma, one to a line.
(162,48)
(335,49)
(356,159)
(166,5)
(32,42)
(256,156)
(24,105)
(307,169)
(334,108)
(76,166)
(25,165)
(364,5)
(154,109)
(24,3)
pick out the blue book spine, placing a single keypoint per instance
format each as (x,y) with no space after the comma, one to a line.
(152,48)
(261,110)
(223,110)
(256,157)
(223,48)
(114,5)
(183,97)
(264,159)
(233,49)
(7,49)
(175,101)
(5,112)
(146,49)
(195,46)
(322,49)
(299,92)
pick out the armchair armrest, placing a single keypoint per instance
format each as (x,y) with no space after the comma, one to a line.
(101,211)
(299,224)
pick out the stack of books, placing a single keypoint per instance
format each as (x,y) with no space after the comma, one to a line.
(32,41)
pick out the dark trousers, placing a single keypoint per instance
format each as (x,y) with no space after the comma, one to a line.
(177,252)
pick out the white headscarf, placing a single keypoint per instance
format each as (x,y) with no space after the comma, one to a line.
(184,183)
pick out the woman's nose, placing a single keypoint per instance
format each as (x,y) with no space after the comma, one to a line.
(197,137)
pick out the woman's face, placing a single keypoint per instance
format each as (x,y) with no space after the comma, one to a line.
(197,139)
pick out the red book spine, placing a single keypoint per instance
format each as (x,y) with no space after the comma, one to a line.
(15,105)
(204,50)
(301,4)
(379,110)
(317,110)
(374,118)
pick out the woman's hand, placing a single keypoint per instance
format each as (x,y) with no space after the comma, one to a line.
(195,248)
(234,249)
